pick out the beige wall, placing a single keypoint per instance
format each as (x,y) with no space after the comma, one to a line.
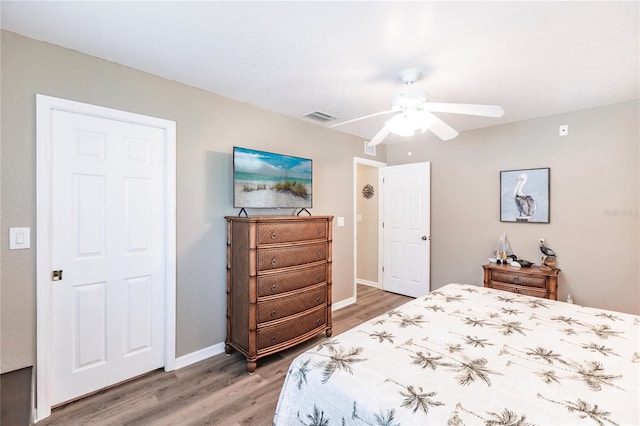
(208,126)
(367,230)
(594,201)
(594,189)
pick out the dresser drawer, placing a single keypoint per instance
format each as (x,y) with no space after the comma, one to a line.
(281,333)
(272,233)
(277,283)
(274,258)
(284,306)
(519,279)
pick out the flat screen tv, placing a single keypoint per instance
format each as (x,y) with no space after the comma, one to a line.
(269,180)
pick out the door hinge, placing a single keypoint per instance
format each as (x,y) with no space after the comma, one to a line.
(56,275)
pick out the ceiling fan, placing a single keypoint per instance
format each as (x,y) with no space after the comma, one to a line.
(413,112)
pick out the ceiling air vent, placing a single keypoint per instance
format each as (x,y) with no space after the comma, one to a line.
(320,116)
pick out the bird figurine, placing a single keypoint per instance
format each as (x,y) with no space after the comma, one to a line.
(525,203)
(549,259)
(546,250)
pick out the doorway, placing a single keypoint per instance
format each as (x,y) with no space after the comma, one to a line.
(106,262)
(399,246)
(367,213)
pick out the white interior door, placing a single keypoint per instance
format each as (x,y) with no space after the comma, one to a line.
(107,238)
(106,217)
(406,228)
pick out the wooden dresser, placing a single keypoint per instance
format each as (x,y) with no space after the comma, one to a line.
(278,283)
(531,281)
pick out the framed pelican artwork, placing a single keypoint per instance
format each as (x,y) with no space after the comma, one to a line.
(524,195)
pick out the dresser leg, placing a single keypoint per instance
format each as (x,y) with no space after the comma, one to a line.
(228,349)
(328,332)
(251,366)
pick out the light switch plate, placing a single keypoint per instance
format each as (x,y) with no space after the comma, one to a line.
(19,238)
(341,221)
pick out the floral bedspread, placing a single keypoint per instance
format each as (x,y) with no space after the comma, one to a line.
(466,355)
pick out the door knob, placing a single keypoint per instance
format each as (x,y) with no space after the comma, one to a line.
(425,238)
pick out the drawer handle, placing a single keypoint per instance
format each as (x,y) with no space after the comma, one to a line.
(273,235)
(318,321)
(319,231)
(516,280)
(318,299)
(273,338)
(319,255)
(319,277)
(273,313)
(274,261)
(273,287)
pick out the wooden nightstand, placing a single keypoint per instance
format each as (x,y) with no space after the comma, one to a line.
(531,281)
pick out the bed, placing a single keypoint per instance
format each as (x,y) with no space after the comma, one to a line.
(466,355)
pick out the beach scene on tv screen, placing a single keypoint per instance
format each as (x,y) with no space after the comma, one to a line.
(268,180)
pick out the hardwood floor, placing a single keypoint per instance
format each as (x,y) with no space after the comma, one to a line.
(216,391)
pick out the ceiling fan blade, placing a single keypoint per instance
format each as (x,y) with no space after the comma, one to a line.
(468,109)
(366,116)
(379,137)
(442,129)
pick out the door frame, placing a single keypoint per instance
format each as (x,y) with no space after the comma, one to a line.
(356,192)
(45,105)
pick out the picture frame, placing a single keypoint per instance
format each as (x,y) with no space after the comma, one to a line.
(525,195)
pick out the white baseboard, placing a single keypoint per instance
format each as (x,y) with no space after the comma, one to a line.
(218,348)
(343,304)
(199,355)
(366,282)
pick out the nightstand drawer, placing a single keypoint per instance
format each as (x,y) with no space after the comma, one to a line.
(527,291)
(519,279)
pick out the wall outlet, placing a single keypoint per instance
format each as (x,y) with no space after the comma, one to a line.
(564,130)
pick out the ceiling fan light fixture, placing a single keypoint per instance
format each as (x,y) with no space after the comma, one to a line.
(400,124)
(408,121)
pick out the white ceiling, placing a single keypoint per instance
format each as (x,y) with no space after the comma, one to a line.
(343,58)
